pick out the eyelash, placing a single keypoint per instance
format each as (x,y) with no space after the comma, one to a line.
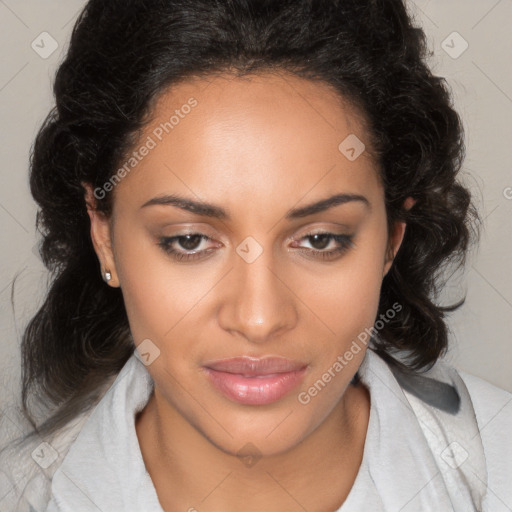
(345,243)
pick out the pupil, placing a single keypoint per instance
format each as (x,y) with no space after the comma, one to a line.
(189,240)
(316,238)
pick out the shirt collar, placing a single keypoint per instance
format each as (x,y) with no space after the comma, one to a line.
(104,469)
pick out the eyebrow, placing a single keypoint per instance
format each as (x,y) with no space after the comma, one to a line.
(214,211)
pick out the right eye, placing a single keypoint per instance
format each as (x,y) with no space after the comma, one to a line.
(188,242)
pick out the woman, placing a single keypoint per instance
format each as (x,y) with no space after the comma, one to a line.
(247,207)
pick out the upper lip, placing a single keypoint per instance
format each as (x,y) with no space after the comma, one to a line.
(252,366)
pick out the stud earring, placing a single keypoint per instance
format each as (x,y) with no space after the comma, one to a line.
(107,276)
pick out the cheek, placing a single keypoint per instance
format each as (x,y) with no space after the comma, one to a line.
(157,294)
(169,303)
(347,298)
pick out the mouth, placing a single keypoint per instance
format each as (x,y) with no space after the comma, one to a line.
(254,381)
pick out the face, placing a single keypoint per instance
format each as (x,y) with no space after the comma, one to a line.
(257,272)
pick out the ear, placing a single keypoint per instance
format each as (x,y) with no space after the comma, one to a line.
(101,236)
(396,237)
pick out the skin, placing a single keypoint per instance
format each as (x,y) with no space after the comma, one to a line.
(256,147)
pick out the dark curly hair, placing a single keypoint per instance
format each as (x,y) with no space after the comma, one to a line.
(123,54)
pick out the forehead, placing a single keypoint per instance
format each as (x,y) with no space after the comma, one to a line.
(256,137)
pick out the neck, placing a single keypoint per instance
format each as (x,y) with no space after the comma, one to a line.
(189,471)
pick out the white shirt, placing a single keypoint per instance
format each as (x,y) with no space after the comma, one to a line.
(417,457)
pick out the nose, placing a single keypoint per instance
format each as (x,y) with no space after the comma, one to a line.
(258,303)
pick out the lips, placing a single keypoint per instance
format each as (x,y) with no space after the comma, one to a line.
(255,381)
(254,367)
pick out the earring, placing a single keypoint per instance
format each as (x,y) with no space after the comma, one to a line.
(107,276)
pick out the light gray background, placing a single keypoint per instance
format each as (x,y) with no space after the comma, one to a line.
(481,81)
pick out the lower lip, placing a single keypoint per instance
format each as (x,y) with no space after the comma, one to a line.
(255,390)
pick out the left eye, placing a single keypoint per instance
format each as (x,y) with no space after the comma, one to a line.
(192,242)
(342,243)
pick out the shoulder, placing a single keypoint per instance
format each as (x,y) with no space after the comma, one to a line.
(28,463)
(492,403)
(493,411)
(466,421)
